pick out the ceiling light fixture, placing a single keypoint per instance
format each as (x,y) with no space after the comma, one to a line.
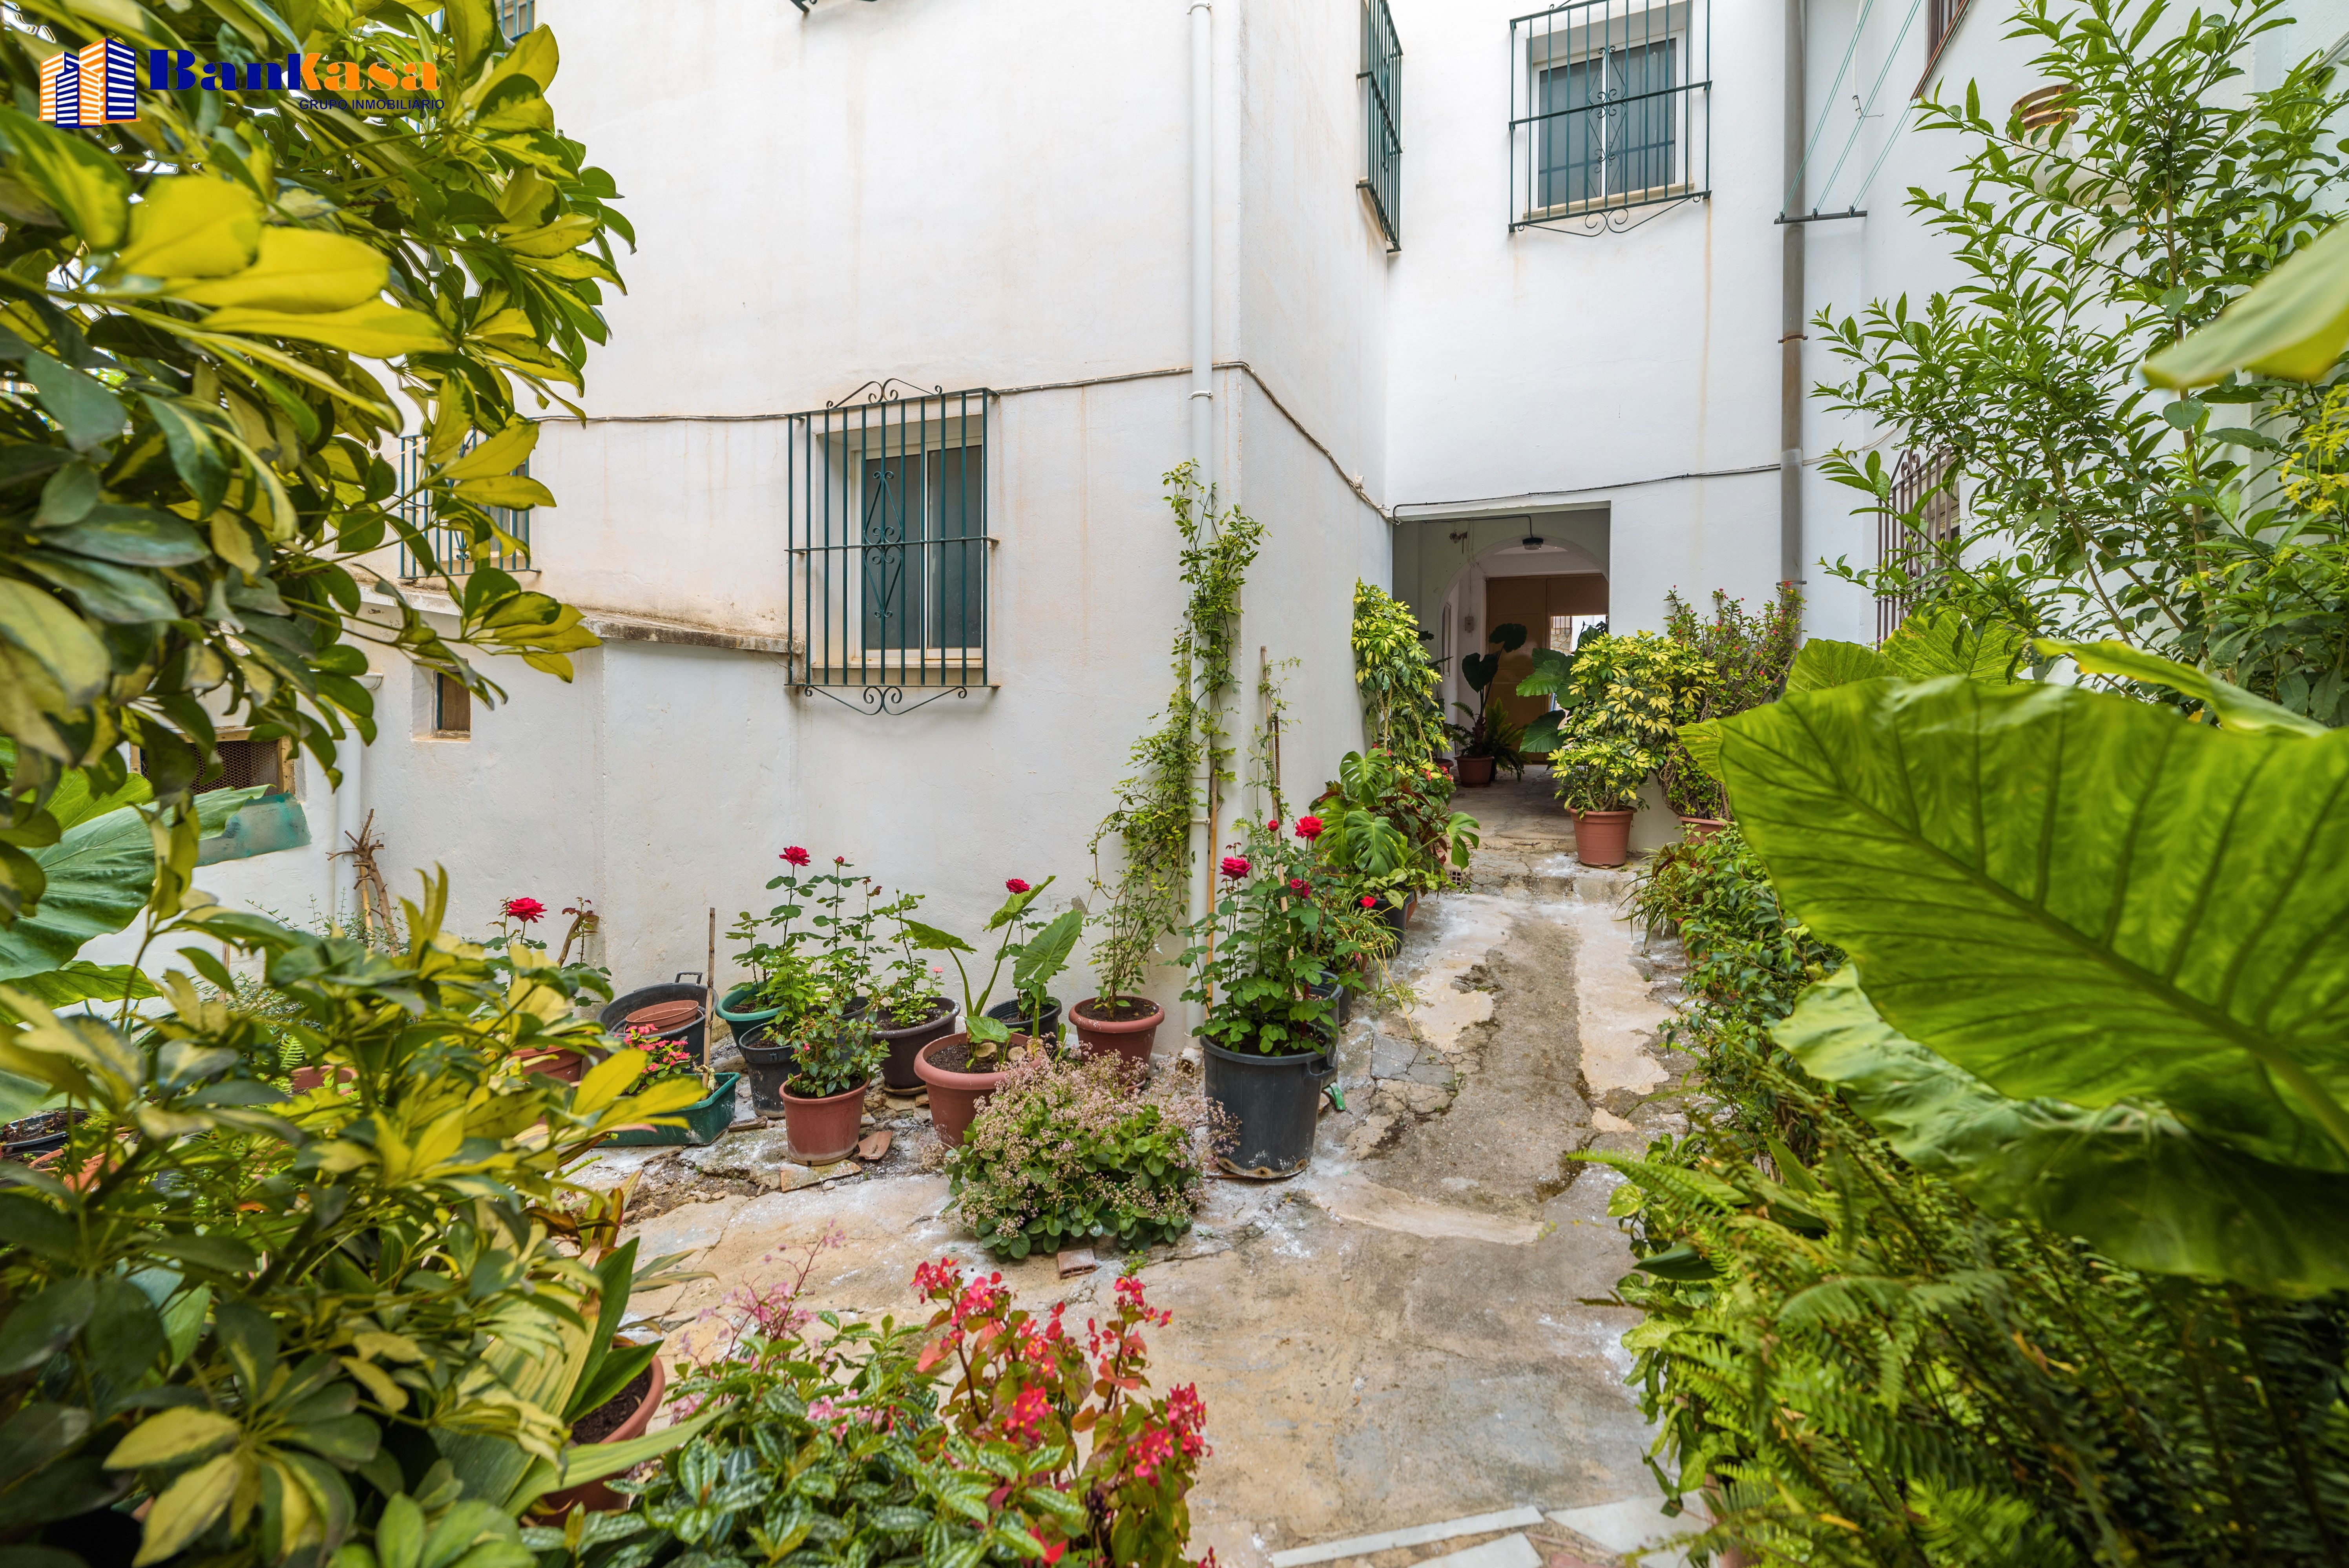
(1532,542)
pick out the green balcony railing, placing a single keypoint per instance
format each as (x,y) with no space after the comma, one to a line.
(889,548)
(1382,80)
(453,553)
(1609,121)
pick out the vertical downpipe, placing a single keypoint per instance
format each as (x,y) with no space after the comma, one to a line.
(350,815)
(1790,315)
(1203,389)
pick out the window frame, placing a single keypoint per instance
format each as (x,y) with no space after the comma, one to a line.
(1593,30)
(1381,77)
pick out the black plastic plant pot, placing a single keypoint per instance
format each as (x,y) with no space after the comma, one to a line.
(767,1064)
(1273,1103)
(694,1032)
(904,1042)
(1009,1012)
(1328,986)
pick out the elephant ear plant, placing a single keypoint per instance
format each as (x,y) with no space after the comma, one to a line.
(2108,993)
(1491,733)
(1037,955)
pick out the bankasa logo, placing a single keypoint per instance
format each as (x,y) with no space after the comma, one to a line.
(99,84)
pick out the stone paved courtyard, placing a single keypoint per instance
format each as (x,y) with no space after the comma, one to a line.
(1399,1337)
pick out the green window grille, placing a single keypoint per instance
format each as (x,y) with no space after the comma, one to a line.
(1382,80)
(516,18)
(1610,121)
(889,548)
(450,551)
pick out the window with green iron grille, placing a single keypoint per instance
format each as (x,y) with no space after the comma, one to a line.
(888,546)
(1382,80)
(516,18)
(1610,121)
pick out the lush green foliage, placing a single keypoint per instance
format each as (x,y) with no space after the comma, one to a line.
(1397,679)
(989,1436)
(2104,908)
(192,303)
(1152,819)
(831,1055)
(1748,656)
(1270,939)
(835,959)
(1037,951)
(1385,825)
(269,1314)
(1065,1154)
(2094,506)
(1852,1363)
(1622,701)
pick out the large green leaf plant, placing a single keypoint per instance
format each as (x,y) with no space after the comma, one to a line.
(2099,948)
(205,314)
(337,1321)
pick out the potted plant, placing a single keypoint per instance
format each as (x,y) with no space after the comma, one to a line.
(1748,659)
(521,962)
(965,1067)
(1257,961)
(834,1058)
(907,1010)
(1038,952)
(1598,779)
(784,982)
(1117,1022)
(1386,826)
(1491,739)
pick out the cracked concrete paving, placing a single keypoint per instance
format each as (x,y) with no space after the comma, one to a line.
(1398,1335)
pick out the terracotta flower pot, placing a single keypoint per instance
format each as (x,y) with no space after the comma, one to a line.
(1697,829)
(1474,771)
(897,1068)
(1603,837)
(563,1066)
(826,1130)
(955,1097)
(595,1496)
(1129,1039)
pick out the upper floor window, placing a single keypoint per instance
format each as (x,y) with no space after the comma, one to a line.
(1382,80)
(889,547)
(1916,533)
(516,18)
(1610,111)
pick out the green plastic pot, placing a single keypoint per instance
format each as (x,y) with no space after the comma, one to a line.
(751,1024)
(705,1120)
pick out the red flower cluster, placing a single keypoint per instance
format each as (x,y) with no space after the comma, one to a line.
(1026,1382)
(1014,885)
(1236,865)
(523,910)
(795,854)
(1308,827)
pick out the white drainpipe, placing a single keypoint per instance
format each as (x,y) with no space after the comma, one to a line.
(1203,372)
(350,814)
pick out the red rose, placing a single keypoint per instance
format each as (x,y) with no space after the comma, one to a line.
(796,855)
(523,910)
(1273,826)
(1015,885)
(1369,902)
(1236,865)
(1308,827)
(1297,885)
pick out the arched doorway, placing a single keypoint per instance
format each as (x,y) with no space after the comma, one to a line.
(1553,588)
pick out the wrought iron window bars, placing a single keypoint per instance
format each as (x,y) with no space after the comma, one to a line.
(453,553)
(1382,80)
(1610,113)
(1915,531)
(888,546)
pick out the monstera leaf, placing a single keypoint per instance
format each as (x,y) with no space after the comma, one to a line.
(2146,1190)
(2074,896)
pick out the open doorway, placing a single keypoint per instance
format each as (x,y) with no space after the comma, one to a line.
(1553,608)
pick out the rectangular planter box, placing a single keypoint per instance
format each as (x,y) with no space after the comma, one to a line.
(705,1120)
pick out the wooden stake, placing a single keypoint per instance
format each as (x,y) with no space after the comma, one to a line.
(709,1004)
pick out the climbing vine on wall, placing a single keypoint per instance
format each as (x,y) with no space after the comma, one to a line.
(1396,678)
(1189,747)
